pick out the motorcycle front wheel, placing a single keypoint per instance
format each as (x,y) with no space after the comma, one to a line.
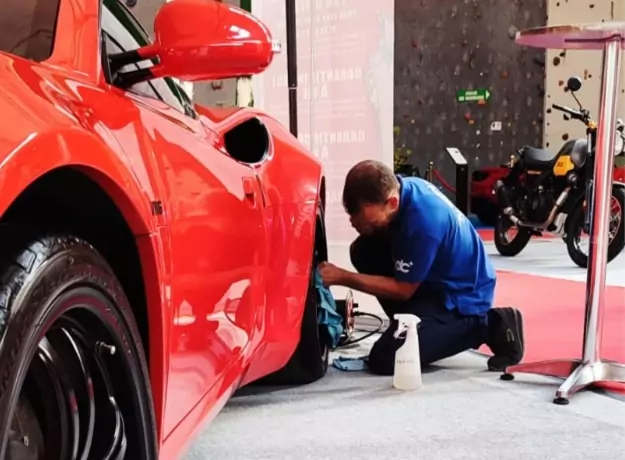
(575,230)
(509,239)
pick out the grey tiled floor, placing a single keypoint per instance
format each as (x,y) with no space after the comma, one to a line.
(463,412)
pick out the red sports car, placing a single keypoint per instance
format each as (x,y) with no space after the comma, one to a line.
(155,255)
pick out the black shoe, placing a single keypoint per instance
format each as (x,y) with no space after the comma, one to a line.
(505,339)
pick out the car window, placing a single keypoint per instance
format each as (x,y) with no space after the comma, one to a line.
(143,88)
(28,27)
(122,32)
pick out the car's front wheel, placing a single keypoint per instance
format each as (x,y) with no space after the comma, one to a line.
(310,360)
(73,375)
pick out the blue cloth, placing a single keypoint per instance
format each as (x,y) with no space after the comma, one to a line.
(434,243)
(344,363)
(327,314)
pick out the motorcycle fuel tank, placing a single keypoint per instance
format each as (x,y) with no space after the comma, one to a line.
(577,151)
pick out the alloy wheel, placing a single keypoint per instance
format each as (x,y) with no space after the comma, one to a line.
(69,405)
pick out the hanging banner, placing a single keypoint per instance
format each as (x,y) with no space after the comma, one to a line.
(345,88)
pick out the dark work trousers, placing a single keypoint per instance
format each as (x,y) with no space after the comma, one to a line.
(442,332)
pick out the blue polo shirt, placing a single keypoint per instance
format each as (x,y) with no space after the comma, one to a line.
(435,244)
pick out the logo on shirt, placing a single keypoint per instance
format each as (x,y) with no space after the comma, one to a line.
(402,266)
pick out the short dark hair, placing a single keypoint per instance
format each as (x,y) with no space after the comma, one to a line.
(368,182)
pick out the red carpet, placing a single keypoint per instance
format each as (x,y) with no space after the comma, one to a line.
(486,234)
(553,311)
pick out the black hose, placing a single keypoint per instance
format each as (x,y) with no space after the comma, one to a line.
(368,334)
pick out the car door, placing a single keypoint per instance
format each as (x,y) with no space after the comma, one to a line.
(214,214)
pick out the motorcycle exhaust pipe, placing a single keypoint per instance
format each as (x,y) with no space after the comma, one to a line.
(552,215)
(502,195)
(499,189)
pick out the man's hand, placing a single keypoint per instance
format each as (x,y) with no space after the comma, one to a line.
(331,275)
(378,286)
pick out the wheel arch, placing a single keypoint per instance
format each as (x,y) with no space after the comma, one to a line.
(322,193)
(80,178)
(320,241)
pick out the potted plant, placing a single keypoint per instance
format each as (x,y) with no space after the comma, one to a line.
(401,157)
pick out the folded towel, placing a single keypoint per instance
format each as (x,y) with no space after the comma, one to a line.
(327,314)
(347,364)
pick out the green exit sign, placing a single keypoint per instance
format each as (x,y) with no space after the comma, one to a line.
(472,95)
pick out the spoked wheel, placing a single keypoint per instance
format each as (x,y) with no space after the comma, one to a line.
(509,239)
(577,241)
(74,379)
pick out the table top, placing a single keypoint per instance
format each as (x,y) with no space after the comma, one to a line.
(591,36)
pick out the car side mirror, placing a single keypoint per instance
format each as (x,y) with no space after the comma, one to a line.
(200,40)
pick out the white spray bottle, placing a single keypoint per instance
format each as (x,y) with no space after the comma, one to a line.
(407,374)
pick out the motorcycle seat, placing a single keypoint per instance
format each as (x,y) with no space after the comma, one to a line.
(534,157)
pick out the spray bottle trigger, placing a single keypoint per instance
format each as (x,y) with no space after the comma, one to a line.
(401,329)
(406,321)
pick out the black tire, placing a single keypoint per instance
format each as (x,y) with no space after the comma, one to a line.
(310,360)
(575,224)
(510,248)
(65,329)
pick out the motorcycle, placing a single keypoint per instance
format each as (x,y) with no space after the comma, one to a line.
(547,192)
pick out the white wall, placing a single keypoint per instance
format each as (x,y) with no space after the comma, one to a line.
(345,97)
(585,64)
(345,60)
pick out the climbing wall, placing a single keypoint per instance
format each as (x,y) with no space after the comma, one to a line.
(461,81)
(585,64)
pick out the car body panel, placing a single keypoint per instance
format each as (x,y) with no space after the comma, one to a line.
(46,112)
(226,258)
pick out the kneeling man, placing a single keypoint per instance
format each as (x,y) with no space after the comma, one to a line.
(417,253)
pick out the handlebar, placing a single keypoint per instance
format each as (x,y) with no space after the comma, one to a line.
(576,114)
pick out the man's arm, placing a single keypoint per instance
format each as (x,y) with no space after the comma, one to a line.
(379,286)
(414,260)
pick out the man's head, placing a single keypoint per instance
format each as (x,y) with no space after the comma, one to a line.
(371,196)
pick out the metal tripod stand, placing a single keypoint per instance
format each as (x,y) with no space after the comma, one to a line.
(591,369)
